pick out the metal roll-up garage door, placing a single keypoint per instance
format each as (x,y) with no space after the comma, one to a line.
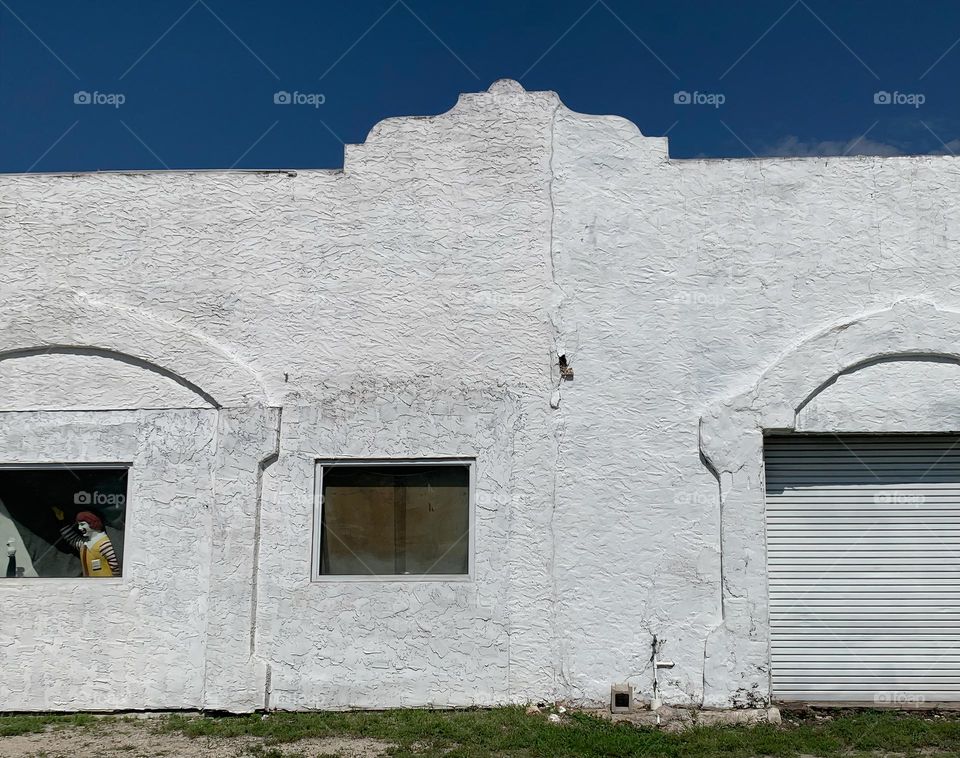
(863,555)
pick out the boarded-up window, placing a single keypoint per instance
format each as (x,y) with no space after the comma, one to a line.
(395,519)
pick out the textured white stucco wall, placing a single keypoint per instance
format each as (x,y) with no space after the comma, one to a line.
(104,644)
(414,304)
(894,396)
(56,382)
(681,282)
(343,643)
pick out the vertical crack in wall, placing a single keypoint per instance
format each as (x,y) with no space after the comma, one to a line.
(557,295)
(554,575)
(516,426)
(720,588)
(266,463)
(553,216)
(716,475)
(211,515)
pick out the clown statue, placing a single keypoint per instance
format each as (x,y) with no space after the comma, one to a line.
(89,539)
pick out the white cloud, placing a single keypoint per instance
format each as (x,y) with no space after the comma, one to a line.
(794,147)
(950,148)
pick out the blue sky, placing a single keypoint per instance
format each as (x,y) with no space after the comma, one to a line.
(191,83)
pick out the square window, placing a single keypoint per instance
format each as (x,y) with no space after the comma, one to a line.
(63,521)
(384,518)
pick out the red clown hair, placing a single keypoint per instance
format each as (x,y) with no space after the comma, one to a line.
(96,523)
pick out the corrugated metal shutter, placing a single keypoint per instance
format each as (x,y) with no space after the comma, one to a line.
(863,554)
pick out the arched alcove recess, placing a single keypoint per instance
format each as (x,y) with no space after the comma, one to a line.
(225,477)
(72,323)
(731,441)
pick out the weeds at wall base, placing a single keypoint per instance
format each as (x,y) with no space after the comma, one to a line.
(512,731)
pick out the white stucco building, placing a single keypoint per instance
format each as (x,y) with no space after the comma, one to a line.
(225,336)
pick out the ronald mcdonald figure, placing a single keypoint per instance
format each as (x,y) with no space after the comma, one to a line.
(88,538)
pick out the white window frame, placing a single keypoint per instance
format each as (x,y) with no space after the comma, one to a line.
(84,580)
(321,463)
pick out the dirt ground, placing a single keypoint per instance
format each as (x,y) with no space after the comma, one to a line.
(138,739)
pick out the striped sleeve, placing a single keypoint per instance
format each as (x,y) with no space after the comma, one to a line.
(71,535)
(107,552)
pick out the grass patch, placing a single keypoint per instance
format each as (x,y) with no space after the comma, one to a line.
(511,733)
(13,725)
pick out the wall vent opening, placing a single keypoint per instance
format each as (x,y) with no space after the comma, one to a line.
(621,698)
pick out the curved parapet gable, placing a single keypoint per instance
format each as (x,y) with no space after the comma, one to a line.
(430,142)
(604,146)
(72,323)
(505,101)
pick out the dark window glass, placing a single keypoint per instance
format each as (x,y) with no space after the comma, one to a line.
(63,521)
(398,519)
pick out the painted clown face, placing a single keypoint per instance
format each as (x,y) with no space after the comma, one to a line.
(88,523)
